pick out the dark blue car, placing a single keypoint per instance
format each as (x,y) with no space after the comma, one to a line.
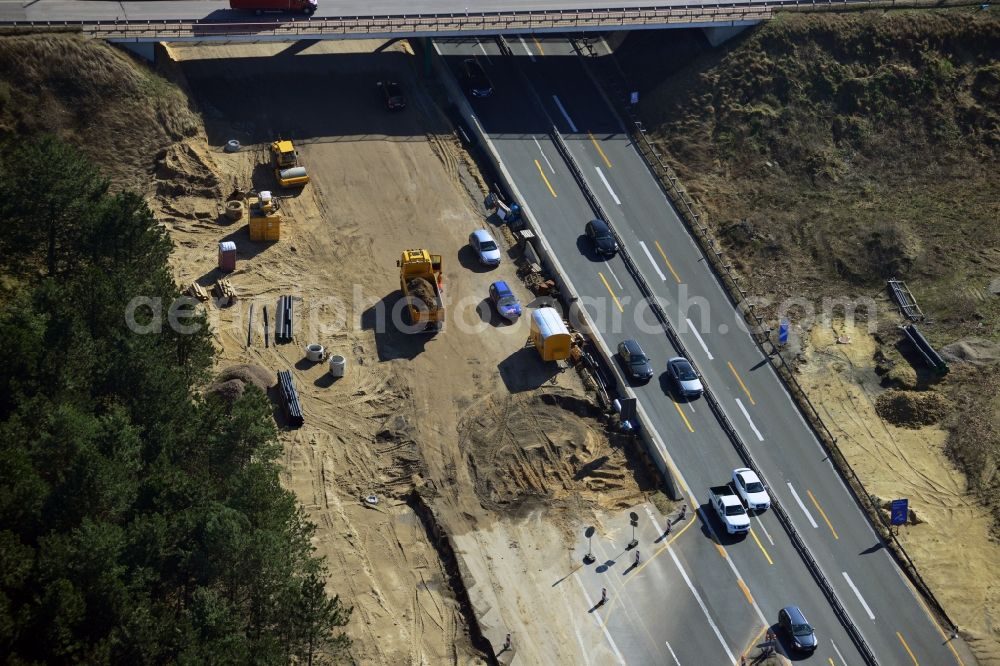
(504,300)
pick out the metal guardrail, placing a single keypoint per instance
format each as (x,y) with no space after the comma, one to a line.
(687,211)
(904,298)
(455,23)
(716,408)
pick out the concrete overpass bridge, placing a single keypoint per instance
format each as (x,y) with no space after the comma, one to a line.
(212,20)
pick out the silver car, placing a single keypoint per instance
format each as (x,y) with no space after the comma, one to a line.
(685,379)
(485,247)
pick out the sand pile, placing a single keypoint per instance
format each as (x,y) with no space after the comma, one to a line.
(912,409)
(421,289)
(546,445)
(232,381)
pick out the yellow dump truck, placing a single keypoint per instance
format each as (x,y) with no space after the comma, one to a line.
(420,282)
(287,169)
(550,335)
(263,217)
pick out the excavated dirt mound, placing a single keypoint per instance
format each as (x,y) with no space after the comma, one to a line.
(546,445)
(421,289)
(232,381)
(249,374)
(972,350)
(912,409)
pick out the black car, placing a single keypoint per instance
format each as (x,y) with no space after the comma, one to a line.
(392,93)
(635,360)
(798,630)
(476,81)
(599,234)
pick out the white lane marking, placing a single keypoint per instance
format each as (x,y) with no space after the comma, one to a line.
(614,276)
(483,49)
(656,266)
(871,615)
(676,660)
(525,45)
(764,529)
(562,109)
(544,156)
(564,595)
(698,335)
(842,660)
(711,622)
(608,185)
(750,421)
(803,507)
(597,618)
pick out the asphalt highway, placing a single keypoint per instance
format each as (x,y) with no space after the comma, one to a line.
(545,83)
(106,10)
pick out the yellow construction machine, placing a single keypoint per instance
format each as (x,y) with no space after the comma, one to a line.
(287,169)
(420,281)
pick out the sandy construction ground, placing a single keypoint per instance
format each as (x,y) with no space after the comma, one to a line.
(510,455)
(950,544)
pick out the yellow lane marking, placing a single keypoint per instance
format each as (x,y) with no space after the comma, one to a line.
(830,659)
(908,650)
(761,546)
(754,643)
(679,411)
(946,637)
(746,590)
(598,146)
(952,648)
(667,261)
(740,380)
(660,550)
(538,44)
(722,551)
(608,287)
(547,183)
(823,513)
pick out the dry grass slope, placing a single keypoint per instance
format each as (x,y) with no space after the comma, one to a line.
(93,95)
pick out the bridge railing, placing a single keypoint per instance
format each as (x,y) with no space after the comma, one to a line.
(444,24)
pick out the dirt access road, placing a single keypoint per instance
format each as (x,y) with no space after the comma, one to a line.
(509,454)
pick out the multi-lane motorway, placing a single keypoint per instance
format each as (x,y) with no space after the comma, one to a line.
(735,588)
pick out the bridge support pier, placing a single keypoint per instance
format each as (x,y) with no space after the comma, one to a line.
(145,50)
(720,34)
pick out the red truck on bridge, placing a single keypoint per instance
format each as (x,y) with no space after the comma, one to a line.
(260,6)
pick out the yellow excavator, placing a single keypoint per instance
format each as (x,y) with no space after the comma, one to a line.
(287,169)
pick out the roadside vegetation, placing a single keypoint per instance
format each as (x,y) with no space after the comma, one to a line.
(141,520)
(832,152)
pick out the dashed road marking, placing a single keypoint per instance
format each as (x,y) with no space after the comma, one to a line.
(698,335)
(608,185)
(803,506)
(562,109)
(871,615)
(526,48)
(544,156)
(652,261)
(743,409)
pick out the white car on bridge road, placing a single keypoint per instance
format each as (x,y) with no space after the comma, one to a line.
(750,489)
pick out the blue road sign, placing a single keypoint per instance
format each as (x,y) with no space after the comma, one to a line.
(900,512)
(783,332)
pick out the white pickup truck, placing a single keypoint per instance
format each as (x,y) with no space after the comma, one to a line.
(729,509)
